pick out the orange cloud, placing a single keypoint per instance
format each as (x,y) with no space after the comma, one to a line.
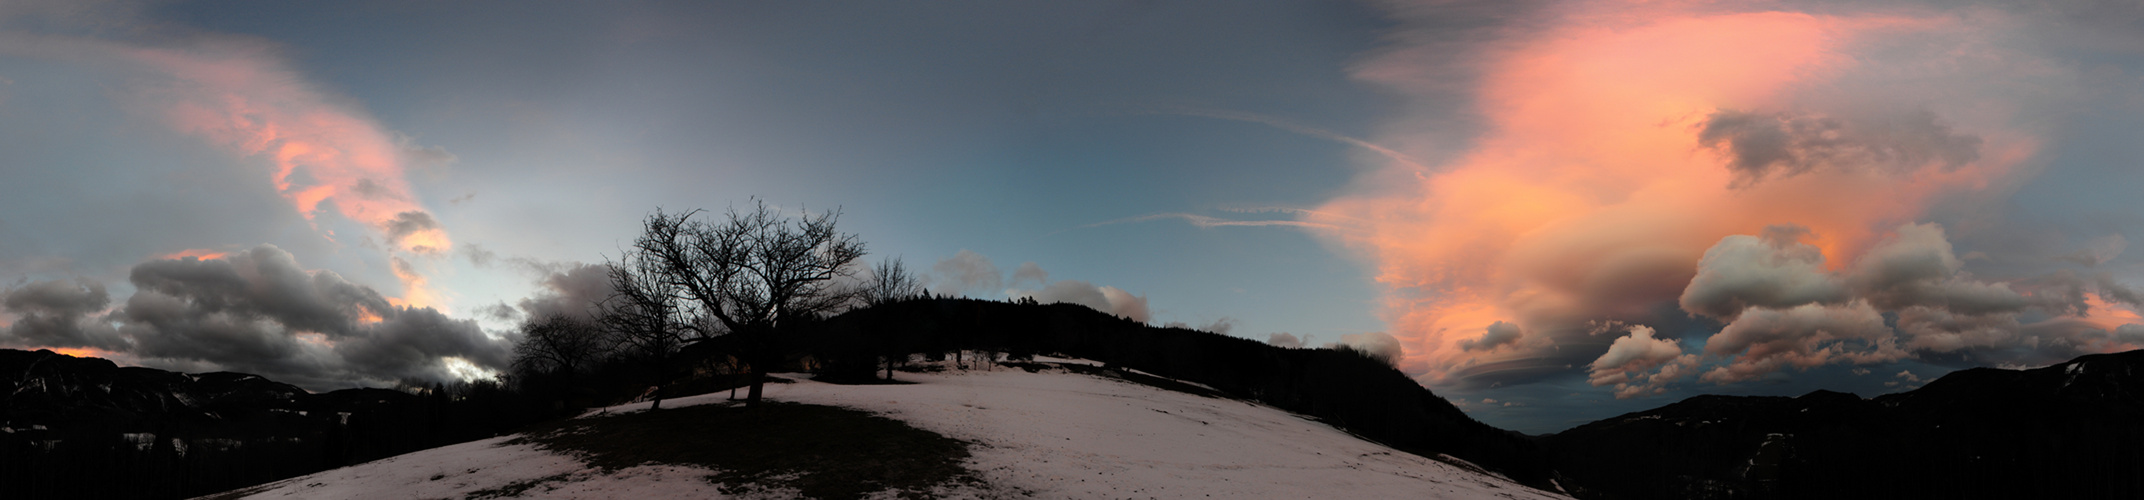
(1589,196)
(324,155)
(202,254)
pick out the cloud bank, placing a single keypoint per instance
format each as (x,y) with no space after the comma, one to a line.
(320,152)
(255,311)
(1769,168)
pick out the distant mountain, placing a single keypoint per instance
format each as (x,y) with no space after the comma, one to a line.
(2073,430)
(87,428)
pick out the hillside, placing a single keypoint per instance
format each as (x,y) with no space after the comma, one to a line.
(1048,429)
(87,428)
(2072,430)
(1363,395)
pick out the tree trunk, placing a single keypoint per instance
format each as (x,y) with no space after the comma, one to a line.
(751,398)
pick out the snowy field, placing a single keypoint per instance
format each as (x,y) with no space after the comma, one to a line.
(1042,435)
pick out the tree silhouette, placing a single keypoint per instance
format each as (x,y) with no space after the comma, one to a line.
(559,346)
(891,281)
(752,277)
(646,314)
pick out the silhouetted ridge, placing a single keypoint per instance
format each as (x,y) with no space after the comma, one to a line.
(87,428)
(2073,430)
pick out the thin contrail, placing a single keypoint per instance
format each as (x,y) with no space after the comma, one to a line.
(1207,221)
(1297,128)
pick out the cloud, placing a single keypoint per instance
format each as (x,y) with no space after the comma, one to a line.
(965,271)
(1287,340)
(1029,272)
(259,311)
(1912,274)
(1775,270)
(1108,299)
(1762,145)
(2111,291)
(318,151)
(61,314)
(2099,250)
(2131,333)
(1631,361)
(1207,221)
(1587,190)
(1915,266)
(416,231)
(1764,340)
(570,289)
(1498,334)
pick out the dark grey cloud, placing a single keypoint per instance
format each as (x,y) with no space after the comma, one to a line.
(500,312)
(405,224)
(255,311)
(263,282)
(2115,292)
(61,314)
(571,289)
(1763,145)
(1499,334)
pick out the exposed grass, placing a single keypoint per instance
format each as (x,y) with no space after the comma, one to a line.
(823,451)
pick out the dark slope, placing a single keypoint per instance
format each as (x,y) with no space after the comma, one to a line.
(2073,430)
(1362,395)
(86,428)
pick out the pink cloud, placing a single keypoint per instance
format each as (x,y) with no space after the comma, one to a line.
(1593,191)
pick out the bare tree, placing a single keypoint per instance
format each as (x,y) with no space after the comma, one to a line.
(753,276)
(646,316)
(891,281)
(558,344)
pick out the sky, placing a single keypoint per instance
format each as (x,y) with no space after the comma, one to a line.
(1547,212)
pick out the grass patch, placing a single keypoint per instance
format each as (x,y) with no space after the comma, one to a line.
(823,451)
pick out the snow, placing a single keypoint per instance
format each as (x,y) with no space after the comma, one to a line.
(459,470)
(1043,435)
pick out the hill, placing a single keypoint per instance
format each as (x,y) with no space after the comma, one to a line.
(1052,428)
(1348,389)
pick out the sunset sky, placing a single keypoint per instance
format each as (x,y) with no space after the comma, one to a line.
(1548,212)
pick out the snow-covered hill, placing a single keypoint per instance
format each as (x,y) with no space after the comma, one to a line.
(1047,434)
